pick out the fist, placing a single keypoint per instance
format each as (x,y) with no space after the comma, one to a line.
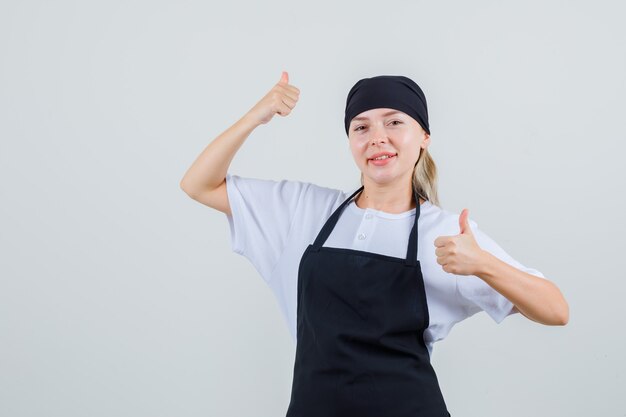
(281,99)
(460,254)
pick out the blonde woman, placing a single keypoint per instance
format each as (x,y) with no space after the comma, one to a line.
(367,280)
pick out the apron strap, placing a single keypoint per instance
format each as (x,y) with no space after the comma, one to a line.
(331,222)
(411,252)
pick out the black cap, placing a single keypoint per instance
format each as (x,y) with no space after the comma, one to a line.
(387,91)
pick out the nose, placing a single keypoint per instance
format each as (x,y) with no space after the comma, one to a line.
(378,135)
(378,139)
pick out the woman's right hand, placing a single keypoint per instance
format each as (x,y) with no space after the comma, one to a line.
(281,99)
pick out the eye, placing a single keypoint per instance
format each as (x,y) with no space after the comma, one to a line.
(356,129)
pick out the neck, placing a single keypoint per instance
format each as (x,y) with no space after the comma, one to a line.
(390,198)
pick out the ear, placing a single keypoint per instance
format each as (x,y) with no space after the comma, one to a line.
(426,141)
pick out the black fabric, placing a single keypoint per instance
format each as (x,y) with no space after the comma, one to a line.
(360,348)
(387,91)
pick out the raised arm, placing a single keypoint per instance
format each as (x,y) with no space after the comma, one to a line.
(205,180)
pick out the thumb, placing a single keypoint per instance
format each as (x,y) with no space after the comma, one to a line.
(284,78)
(464,222)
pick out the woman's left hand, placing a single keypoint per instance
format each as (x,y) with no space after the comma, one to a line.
(460,254)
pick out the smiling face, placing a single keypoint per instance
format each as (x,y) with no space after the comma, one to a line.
(386,131)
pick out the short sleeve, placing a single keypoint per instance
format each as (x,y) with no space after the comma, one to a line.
(262,212)
(476,295)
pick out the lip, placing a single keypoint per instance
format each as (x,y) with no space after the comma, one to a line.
(383,162)
(376,155)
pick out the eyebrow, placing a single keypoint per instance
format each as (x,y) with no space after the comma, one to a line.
(386,114)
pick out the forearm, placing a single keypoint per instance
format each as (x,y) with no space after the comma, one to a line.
(537,298)
(210,167)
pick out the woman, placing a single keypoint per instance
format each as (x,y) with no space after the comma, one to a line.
(367,280)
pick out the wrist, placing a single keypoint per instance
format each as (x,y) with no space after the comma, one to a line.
(485,268)
(250,121)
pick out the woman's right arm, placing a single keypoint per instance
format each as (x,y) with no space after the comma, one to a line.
(205,180)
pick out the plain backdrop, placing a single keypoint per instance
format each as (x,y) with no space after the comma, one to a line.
(120,296)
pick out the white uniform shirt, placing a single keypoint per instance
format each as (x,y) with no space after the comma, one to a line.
(273,222)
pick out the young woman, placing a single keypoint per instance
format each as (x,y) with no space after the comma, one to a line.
(367,280)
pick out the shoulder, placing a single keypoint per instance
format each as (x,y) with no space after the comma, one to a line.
(318,201)
(445,222)
(285,191)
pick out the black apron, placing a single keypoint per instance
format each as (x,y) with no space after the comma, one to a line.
(360,349)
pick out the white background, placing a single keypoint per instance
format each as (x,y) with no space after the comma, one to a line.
(120,295)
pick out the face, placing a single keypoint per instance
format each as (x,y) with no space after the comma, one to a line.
(386,131)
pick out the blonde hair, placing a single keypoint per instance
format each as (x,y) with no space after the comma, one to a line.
(424,178)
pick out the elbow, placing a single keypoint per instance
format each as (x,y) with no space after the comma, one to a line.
(561,309)
(182,185)
(564,317)
(185,188)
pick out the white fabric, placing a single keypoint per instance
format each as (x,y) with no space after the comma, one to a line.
(273,222)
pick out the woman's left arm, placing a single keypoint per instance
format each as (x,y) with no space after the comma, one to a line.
(536,298)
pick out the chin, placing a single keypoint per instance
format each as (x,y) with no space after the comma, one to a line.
(380,179)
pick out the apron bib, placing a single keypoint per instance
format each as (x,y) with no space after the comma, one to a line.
(360,349)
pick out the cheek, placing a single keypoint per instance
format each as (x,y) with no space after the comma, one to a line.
(358,150)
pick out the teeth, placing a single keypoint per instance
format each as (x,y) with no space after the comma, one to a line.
(383,157)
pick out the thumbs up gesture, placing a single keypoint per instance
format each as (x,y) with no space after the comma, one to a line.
(281,99)
(460,254)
